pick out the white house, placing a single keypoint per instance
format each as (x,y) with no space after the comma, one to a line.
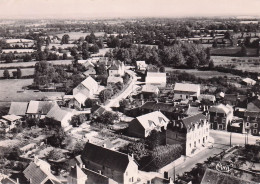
(156,78)
(88,87)
(249,82)
(141,65)
(193,131)
(117,69)
(142,126)
(61,116)
(183,91)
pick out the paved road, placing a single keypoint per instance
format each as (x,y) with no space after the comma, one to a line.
(125,93)
(222,142)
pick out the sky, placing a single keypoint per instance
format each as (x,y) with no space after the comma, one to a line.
(126,8)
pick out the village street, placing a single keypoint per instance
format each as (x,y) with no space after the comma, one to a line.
(221,142)
(130,88)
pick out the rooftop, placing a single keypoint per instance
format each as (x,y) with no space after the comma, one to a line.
(18,108)
(187,87)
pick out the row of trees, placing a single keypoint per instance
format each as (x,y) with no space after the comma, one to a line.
(182,54)
(16,74)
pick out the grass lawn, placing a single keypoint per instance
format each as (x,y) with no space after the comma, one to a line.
(25,72)
(241,63)
(32,63)
(11,90)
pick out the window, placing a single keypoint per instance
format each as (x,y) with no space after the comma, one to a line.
(187,96)
(220,127)
(255,131)
(247,124)
(256,125)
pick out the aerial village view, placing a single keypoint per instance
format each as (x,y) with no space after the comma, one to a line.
(129,92)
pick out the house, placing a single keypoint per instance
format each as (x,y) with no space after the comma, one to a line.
(150,91)
(254,105)
(186,91)
(78,101)
(215,177)
(117,69)
(4,179)
(90,71)
(141,126)
(86,176)
(18,108)
(141,65)
(113,80)
(192,132)
(39,172)
(40,108)
(235,100)
(252,122)
(248,82)
(220,116)
(117,166)
(10,122)
(156,78)
(88,87)
(62,117)
(77,176)
(171,111)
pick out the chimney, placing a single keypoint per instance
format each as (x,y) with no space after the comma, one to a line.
(166,175)
(83,166)
(132,155)
(104,145)
(99,171)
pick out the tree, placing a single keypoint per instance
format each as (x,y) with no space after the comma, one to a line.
(78,148)
(6,74)
(105,94)
(153,140)
(91,102)
(19,73)
(211,64)
(65,39)
(215,44)
(85,54)
(123,104)
(107,118)
(27,58)
(137,149)
(162,69)
(54,154)
(101,69)
(9,57)
(94,48)
(64,56)
(77,120)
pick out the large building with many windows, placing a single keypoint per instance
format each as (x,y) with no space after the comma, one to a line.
(192,132)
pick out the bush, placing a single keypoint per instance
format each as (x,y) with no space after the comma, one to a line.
(163,155)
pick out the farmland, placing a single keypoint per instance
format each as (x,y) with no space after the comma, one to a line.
(25,72)
(251,64)
(232,51)
(201,74)
(32,63)
(77,35)
(12,90)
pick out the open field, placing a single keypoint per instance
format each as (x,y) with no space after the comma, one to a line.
(18,50)
(32,63)
(77,35)
(251,64)
(11,90)
(201,74)
(25,72)
(231,51)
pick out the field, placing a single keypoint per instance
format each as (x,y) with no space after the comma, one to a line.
(231,51)
(251,64)
(201,74)
(25,72)
(32,63)
(77,35)
(11,90)
(18,50)
(63,46)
